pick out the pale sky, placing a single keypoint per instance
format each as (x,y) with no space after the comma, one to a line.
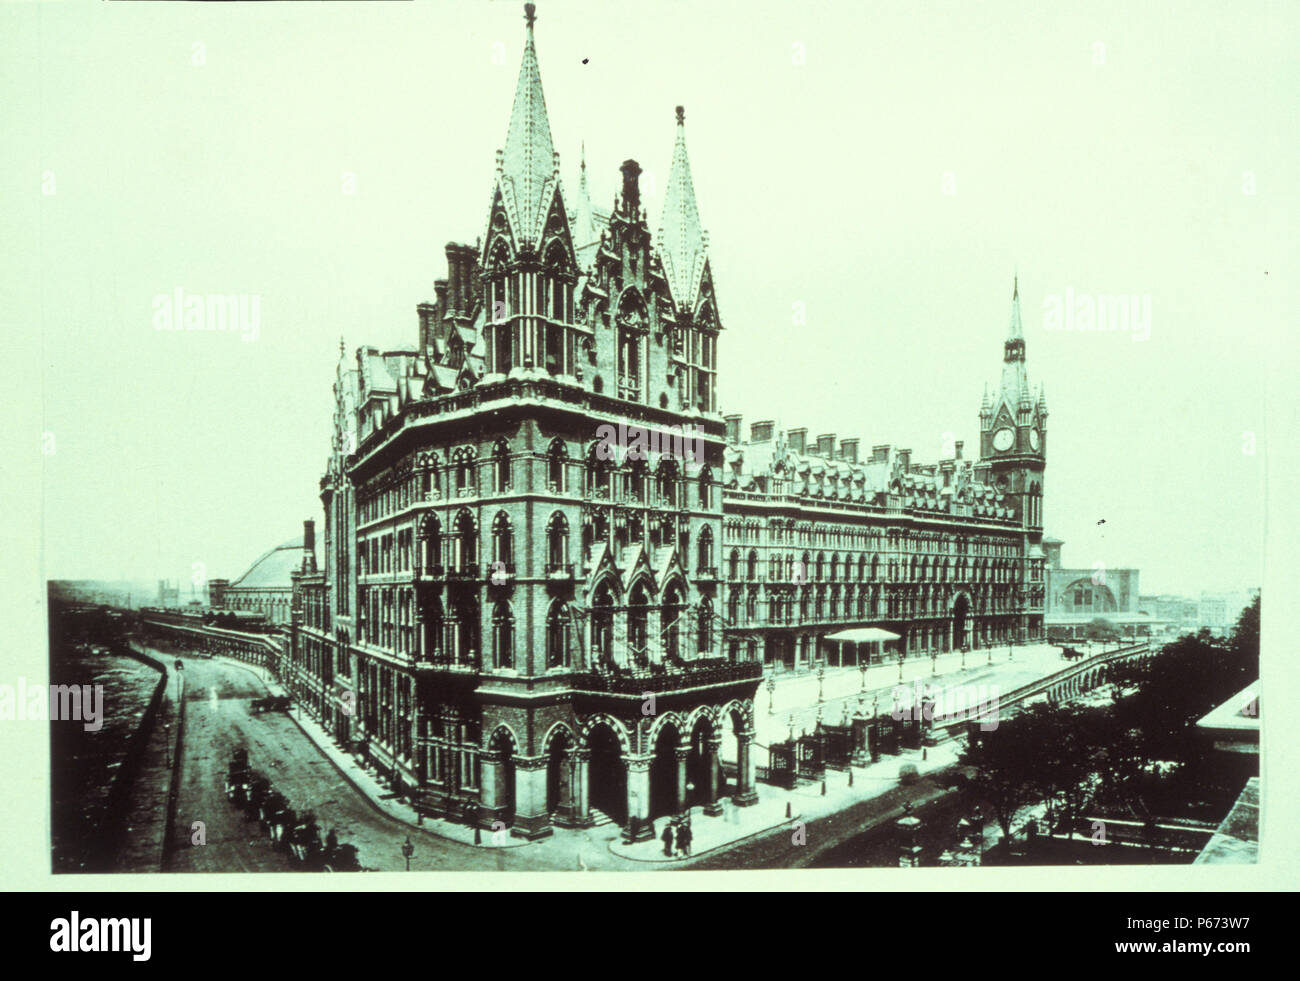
(1099,148)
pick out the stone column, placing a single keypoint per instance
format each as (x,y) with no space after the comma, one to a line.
(745,793)
(578,813)
(531,819)
(681,753)
(638,798)
(712,806)
(490,808)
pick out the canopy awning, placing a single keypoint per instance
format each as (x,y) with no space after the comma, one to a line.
(862,635)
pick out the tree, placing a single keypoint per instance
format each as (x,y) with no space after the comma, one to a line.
(1006,762)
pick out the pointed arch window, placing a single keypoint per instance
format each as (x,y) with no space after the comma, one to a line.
(465,543)
(557,543)
(704,632)
(430,552)
(706,488)
(671,617)
(502,543)
(557,635)
(503,635)
(500,467)
(557,456)
(705,550)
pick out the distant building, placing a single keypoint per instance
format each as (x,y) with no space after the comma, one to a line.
(268,585)
(169,596)
(1076,597)
(1212,611)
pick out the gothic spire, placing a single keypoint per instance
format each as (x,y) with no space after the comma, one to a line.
(582,222)
(682,243)
(526,166)
(1014,390)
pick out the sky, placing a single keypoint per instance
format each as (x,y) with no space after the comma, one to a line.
(872,177)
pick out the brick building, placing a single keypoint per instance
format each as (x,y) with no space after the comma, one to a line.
(552,570)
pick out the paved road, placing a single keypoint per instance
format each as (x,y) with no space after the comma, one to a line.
(217,719)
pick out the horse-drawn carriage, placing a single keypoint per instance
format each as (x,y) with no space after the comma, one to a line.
(299,833)
(1069,653)
(273,703)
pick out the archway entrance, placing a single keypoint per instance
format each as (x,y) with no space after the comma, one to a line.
(504,746)
(697,763)
(663,772)
(607,774)
(559,774)
(960,612)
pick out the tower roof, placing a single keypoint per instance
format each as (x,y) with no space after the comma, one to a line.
(527,163)
(1014,390)
(682,243)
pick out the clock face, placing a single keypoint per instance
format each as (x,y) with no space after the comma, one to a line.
(1033,439)
(1003,439)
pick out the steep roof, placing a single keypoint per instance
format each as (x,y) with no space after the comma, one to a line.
(681,241)
(527,164)
(271,571)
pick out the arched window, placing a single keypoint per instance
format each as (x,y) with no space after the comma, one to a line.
(557,635)
(429,561)
(733,564)
(557,543)
(464,472)
(638,620)
(500,467)
(598,472)
(704,635)
(503,635)
(751,606)
(636,482)
(502,542)
(671,622)
(706,488)
(751,565)
(667,477)
(733,605)
(557,456)
(465,543)
(705,550)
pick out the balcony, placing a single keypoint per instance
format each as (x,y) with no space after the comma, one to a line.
(430,573)
(708,573)
(466,570)
(559,571)
(700,673)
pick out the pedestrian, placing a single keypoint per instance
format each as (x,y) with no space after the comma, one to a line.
(684,838)
(668,839)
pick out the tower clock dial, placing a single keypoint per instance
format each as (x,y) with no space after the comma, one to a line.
(1003,439)
(1033,440)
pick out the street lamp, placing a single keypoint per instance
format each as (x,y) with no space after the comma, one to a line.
(821,677)
(862,667)
(771,693)
(407,851)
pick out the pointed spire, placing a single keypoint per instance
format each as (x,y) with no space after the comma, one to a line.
(527,162)
(682,243)
(1014,392)
(582,223)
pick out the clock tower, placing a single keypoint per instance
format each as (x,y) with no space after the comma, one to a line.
(1013,429)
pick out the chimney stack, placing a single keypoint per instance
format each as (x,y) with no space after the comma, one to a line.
(797,439)
(826,446)
(959,446)
(879,454)
(631,188)
(761,432)
(733,428)
(309,546)
(849,450)
(905,459)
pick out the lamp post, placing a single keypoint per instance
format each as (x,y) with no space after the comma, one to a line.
(408,850)
(771,693)
(821,677)
(862,668)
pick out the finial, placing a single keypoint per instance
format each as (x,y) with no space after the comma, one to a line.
(1015,287)
(681,115)
(340,345)
(582,154)
(530,14)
